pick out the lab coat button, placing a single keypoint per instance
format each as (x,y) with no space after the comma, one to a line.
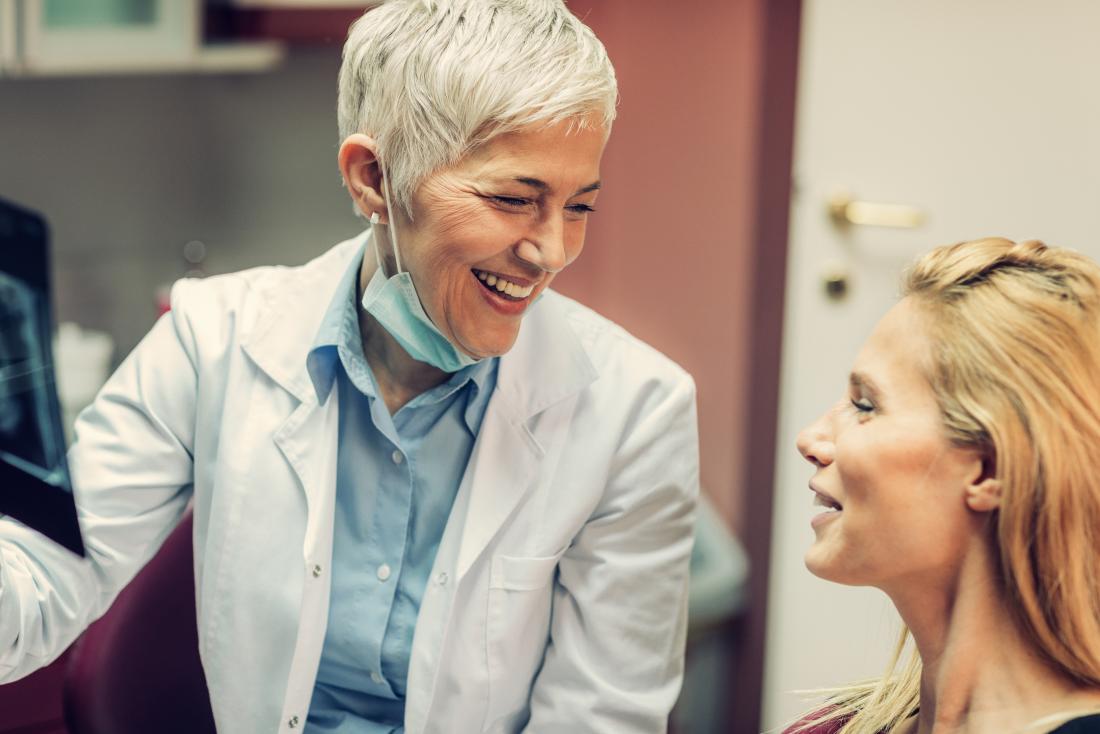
(376,677)
(441,578)
(383,572)
(397,457)
(293,722)
(316,571)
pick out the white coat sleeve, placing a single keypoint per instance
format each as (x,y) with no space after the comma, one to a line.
(131,470)
(614,662)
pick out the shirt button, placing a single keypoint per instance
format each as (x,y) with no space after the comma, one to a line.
(383,572)
(316,571)
(376,677)
(441,578)
(397,457)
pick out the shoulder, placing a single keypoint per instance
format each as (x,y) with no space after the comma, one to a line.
(1082,725)
(221,308)
(245,290)
(620,358)
(832,726)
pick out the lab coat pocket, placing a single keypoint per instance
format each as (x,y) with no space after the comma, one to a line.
(518,628)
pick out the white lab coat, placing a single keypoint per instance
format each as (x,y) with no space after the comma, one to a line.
(557,599)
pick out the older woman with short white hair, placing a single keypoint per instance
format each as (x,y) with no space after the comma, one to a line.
(430,494)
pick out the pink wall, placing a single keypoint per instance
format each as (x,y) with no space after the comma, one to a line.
(668,254)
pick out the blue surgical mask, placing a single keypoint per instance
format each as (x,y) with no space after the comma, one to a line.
(395,304)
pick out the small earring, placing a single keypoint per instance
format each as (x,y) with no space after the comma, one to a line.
(374,219)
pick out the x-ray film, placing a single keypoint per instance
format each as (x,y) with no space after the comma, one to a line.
(34,478)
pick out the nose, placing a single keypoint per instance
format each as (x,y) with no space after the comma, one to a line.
(544,246)
(815,442)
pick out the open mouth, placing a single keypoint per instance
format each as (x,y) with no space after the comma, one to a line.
(501,287)
(823,500)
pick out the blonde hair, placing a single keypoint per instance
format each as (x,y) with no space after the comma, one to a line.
(1015,365)
(430,80)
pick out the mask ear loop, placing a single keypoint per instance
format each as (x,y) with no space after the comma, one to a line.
(393,228)
(374,238)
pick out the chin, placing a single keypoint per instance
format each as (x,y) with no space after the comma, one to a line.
(487,351)
(824,565)
(493,345)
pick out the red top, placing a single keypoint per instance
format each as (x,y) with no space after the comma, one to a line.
(829,727)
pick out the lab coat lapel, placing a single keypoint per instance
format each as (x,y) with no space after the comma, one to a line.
(504,461)
(545,369)
(285,330)
(308,440)
(279,344)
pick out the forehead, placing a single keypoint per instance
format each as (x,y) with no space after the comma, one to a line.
(897,353)
(562,151)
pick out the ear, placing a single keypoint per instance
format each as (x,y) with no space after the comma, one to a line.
(358,159)
(983,493)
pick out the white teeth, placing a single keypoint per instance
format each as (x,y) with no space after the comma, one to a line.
(820,501)
(506,287)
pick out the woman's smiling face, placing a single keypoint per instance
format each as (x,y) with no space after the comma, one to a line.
(892,483)
(488,234)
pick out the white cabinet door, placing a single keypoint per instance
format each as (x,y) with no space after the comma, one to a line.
(8,36)
(94,35)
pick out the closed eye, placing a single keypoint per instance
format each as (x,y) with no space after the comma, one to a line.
(862,406)
(513,202)
(581,208)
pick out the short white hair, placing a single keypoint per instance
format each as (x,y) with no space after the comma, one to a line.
(430,80)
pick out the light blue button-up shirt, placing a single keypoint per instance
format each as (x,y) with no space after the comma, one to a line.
(396,482)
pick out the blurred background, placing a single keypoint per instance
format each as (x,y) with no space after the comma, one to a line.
(775,165)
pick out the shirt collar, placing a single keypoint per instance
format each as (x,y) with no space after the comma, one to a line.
(551,360)
(484,378)
(323,359)
(339,333)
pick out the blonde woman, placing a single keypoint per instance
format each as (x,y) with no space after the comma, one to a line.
(959,474)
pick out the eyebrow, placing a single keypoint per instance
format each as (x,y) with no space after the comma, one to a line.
(861,380)
(541,185)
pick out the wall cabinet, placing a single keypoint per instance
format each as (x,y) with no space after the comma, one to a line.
(72,37)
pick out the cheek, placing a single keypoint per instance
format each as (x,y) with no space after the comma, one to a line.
(885,464)
(899,515)
(858,460)
(461,243)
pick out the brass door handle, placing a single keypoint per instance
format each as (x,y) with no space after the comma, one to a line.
(846,211)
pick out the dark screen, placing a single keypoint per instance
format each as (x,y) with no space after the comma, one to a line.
(34,478)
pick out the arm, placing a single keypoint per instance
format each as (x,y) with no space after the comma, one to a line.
(131,472)
(615,659)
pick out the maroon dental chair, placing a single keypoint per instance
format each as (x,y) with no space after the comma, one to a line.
(136,670)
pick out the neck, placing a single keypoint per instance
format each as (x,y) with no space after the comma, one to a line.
(980,673)
(400,378)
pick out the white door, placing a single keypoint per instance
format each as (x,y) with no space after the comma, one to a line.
(983,114)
